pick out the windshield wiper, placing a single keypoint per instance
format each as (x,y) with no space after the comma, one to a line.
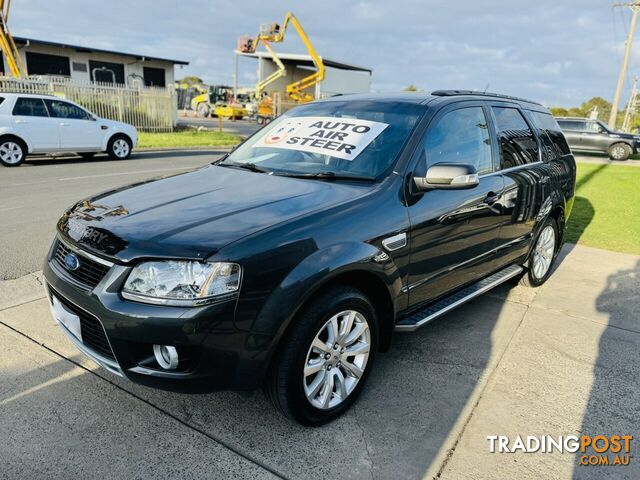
(247,166)
(328,176)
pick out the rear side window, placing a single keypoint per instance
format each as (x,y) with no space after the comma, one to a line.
(553,141)
(573,125)
(518,145)
(60,109)
(30,107)
(1,99)
(460,136)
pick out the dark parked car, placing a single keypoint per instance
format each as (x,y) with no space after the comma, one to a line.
(585,135)
(290,262)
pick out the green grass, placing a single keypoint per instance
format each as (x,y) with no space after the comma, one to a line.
(606,211)
(190,138)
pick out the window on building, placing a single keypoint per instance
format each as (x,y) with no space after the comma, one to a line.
(79,66)
(60,109)
(154,77)
(460,136)
(30,107)
(106,72)
(518,145)
(45,64)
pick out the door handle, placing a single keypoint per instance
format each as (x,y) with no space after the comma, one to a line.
(21,121)
(64,124)
(491,198)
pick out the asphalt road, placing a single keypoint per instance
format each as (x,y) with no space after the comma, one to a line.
(33,196)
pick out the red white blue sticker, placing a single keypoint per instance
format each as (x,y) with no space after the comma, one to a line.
(338,137)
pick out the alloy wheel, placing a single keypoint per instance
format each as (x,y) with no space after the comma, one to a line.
(336,359)
(11,153)
(618,152)
(543,252)
(120,148)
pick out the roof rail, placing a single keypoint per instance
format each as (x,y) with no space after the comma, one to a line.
(453,93)
(19,92)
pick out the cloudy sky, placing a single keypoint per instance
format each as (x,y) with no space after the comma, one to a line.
(559,52)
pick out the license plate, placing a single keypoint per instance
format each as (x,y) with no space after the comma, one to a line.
(63,316)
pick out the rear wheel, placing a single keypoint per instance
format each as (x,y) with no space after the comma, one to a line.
(619,151)
(543,255)
(119,147)
(203,110)
(324,360)
(12,152)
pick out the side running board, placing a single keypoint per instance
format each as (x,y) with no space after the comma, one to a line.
(421,317)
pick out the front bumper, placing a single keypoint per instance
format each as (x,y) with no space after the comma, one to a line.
(215,355)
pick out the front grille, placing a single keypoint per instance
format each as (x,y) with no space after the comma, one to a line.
(89,273)
(91,329)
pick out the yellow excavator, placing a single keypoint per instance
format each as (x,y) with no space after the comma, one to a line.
(7,45)
(275,33)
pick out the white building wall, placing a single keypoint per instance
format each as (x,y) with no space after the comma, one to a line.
(341,81)
(335,81)
(132,66)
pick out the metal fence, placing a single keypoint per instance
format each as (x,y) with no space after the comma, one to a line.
(149,109)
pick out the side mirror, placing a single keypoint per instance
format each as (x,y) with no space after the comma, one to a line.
(448,176)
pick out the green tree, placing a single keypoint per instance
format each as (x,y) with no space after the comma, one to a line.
(410,88)
(191,80)
(603,107)
(576,112)
(559,111)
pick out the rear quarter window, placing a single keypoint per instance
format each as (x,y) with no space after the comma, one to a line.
(554,144)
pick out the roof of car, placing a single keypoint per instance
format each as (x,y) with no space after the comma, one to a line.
(425,97)
(23,94)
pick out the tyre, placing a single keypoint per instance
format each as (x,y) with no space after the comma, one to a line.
(203,110)
(12,152)
(542,256)
(119,147)
(87,155)
(324,360)
(619,151)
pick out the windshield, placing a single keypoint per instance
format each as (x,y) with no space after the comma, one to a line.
(334,138)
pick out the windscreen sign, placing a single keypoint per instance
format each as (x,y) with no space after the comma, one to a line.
(339,137)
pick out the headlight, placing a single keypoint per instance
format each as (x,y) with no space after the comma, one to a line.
(181,283)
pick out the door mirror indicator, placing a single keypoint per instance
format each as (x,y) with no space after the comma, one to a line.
(448,176)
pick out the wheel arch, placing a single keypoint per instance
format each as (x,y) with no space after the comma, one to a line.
(115,134)
(13,136)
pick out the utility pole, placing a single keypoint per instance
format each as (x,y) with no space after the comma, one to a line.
(631,107)
(635,8)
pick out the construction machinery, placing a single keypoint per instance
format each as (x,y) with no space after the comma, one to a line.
(7,45)
(213,100)
(275,33)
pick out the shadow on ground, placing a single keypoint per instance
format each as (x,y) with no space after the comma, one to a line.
(613,407)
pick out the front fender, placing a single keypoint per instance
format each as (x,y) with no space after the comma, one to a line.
(11,131)
(313,273)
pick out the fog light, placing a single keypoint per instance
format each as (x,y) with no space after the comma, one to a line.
(166,356)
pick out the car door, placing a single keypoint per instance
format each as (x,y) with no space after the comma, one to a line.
(33,123)
(595,137)
(573,130)
(454,232)
(526,179)
(79,131)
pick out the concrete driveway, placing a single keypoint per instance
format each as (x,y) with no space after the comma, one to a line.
(562,359)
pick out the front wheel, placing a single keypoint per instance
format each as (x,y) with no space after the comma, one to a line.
(619,151)
(12,153)
(119,147)
(324,360)
(543,255)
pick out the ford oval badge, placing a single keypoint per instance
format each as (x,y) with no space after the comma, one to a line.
(71,261)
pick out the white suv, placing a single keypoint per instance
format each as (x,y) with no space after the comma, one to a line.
(31,124)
